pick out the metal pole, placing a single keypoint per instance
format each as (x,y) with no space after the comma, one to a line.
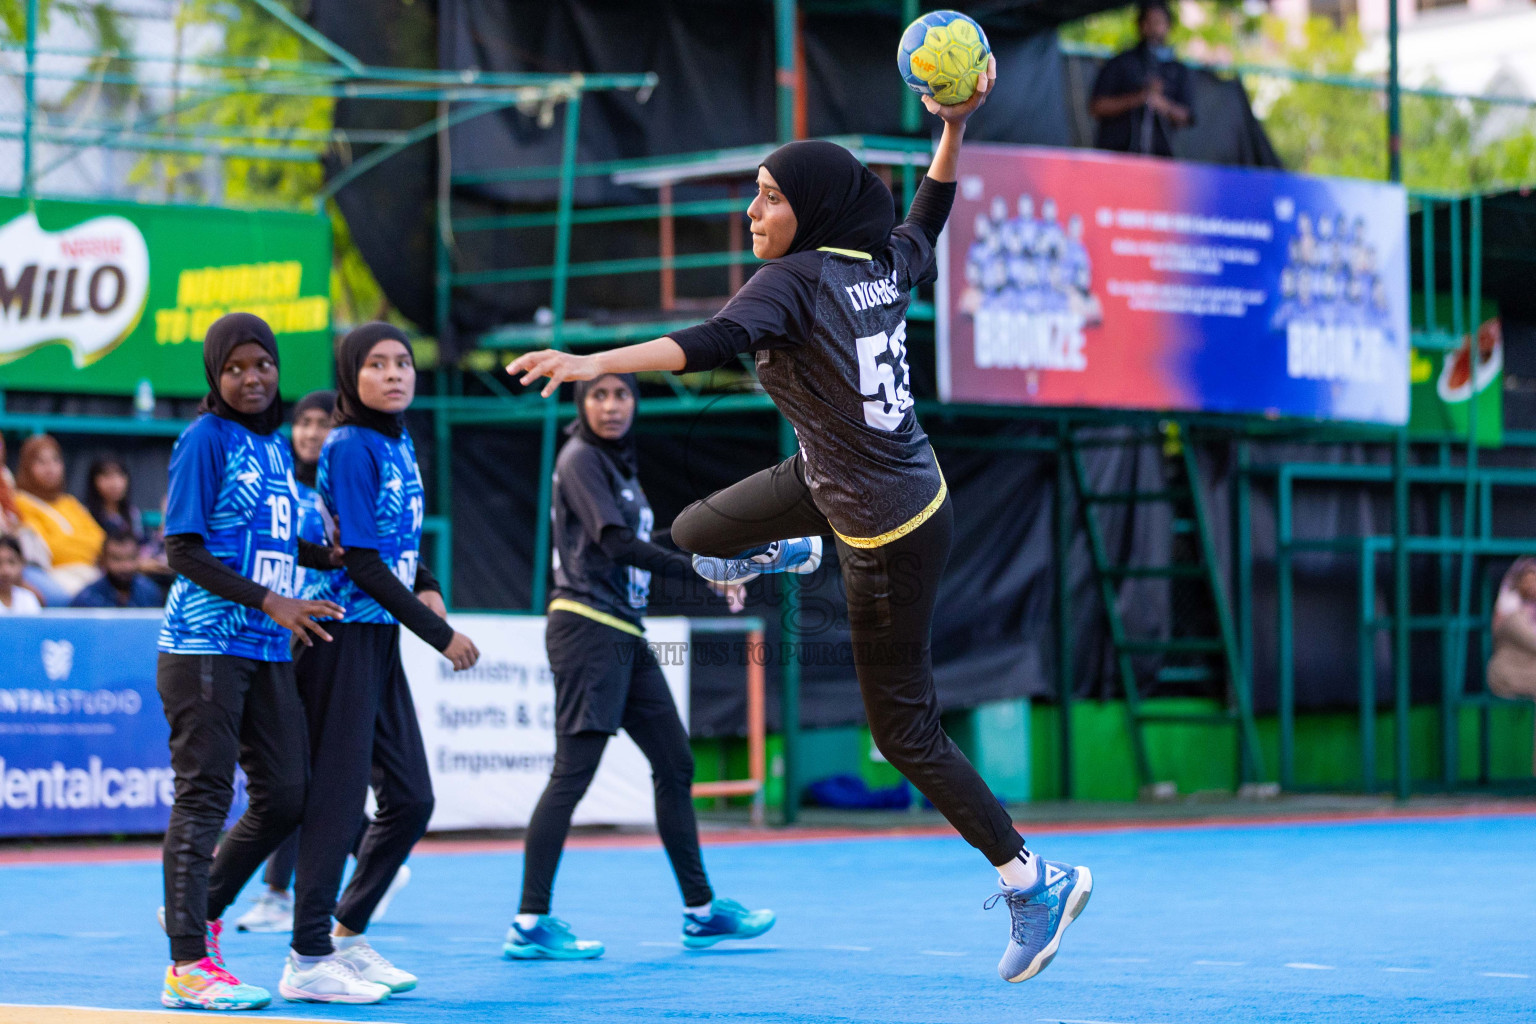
(785,85)
(911,107)
(1243,537)
(442,416)
(1401,676)
(557,307)
(1287,666)
(1063,536)
(789,680)
(30,101)
(1394,100)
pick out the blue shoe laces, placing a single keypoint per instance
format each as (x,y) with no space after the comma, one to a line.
(1023,923)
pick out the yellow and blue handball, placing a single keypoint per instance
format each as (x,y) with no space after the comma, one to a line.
(942,54)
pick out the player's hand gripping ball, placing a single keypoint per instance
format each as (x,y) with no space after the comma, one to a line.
(941,55)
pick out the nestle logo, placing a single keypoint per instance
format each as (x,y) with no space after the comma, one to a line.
(87,248)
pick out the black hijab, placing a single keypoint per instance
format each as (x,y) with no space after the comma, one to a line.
(228,333)
(838,201)
(622,451)
(349,361)
(324,401)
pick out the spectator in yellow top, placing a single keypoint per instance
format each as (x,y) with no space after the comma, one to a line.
(65,526)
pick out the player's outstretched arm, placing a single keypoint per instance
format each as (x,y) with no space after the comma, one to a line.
(660,354)
(946,159)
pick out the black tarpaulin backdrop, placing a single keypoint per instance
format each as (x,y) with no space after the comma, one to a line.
(715,60)
(994,635)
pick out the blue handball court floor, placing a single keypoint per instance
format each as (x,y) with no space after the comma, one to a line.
(1408,919)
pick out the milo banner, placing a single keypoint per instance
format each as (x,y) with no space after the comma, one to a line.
(95,297)
(1092,279)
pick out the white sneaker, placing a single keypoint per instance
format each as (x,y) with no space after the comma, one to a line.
(272,912)
(400,881)
(332,980)
(373,967)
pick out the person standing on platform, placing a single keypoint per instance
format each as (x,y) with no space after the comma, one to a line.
(1144,94)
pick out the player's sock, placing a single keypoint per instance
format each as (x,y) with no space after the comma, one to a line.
(526,921)
(304,961)
(702,910)
(342,942)
(1021,872)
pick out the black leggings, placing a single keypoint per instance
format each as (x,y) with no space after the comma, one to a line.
(650,718)
(224,709)
(891,592)
(362,731)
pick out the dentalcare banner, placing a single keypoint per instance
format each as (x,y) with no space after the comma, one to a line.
(83,739)
(1073,278)
(490,731)
(95,297)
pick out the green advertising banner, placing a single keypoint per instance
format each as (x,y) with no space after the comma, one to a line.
(95,297)
(1442,391)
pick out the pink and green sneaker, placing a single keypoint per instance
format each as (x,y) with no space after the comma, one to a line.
(207,986)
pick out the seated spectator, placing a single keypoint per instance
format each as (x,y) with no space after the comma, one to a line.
(152,557)
(1143,94)
(10,519)
(71,536)
(106,495)
(1512,669)
(121,584)
(15,598)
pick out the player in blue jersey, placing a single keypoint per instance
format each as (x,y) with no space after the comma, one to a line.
(225,675)
(362,723)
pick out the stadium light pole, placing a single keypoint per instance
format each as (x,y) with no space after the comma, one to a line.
(911,112)
(29,101)
(1394,100)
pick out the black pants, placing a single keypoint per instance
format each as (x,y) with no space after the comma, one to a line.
(221,710)
(362,731)
(891,592)
(628,686)
(279,873)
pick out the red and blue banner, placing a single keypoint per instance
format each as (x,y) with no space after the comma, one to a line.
(1073,278)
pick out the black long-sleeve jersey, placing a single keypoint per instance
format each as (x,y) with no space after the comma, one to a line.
(829,331)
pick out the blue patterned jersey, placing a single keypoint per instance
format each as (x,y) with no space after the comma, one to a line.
(311,583)
(371,487)
(235,489)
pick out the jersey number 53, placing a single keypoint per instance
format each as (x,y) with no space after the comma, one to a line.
(883,378)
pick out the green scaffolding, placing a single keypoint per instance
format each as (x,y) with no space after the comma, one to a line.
(1461,620)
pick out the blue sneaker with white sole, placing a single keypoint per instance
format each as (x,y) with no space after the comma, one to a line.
(549,939)
(800,555)
(1040,914)
(727,920)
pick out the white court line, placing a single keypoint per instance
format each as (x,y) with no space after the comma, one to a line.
(1069,1020)
(475,941)
(1127,960)
(668,945)
(851,949)
(939,952)
(1221,963)
(1407,970)
(1310,967)
(1502,974)
(96,935)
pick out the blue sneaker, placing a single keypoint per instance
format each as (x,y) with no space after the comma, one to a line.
(727,920)
(800,555)
(1040,914)
(550,939)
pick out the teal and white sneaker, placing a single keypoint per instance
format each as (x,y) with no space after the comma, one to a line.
(727,920)
(1040,914)
(800,555)
(549,939)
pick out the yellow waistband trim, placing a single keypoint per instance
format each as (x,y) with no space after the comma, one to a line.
(853,253)
(562,604)
(906,527)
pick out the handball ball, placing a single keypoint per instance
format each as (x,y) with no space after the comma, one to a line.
(942,54)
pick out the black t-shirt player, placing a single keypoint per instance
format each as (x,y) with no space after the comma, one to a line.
(1144,93)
